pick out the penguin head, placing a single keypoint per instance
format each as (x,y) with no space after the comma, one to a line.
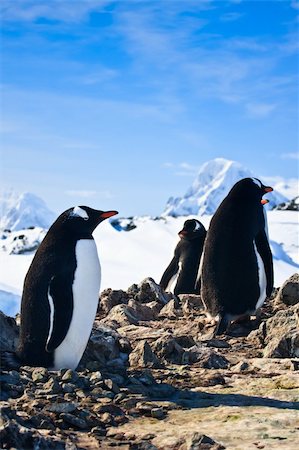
(84,220)
(192,229)
(251,188)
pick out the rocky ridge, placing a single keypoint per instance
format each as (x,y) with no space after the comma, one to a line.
(152,377)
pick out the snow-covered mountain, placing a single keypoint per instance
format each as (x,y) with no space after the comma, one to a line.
(23,211)
(213,182)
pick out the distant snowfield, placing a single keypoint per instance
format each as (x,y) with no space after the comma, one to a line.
(129,257)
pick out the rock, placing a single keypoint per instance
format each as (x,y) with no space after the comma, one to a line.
(121,315)
(52,386)
(149,291)
(110,298)
(70,376)
(170,310)
(167,348)
(143,356)
(15,436)
(112,386)
(240,367)
(40,374)
(288,294)
(62,407)
(202,442)
(9,333)
(279,335)
(142,311)
(158,413)
(103,346)
(76,422)
(213,360)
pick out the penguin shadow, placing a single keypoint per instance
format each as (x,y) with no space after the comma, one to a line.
(189,399)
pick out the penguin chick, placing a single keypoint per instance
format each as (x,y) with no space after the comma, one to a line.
(180,275)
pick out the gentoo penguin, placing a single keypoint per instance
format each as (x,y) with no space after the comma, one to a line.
(61,292)
(182,270)
(237,266)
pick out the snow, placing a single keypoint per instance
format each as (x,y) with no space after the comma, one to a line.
(22,241)
(129,257)
(213,182)
(23,211)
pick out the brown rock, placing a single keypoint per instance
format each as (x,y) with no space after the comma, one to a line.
(110,298)
(288,294)
(9,333)
(143,356)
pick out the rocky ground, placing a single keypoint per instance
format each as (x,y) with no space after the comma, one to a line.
(152,377)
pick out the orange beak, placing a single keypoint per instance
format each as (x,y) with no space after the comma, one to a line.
(264,201)
(268,189)
(107,214)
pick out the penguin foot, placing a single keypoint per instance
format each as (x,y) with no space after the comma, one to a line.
(222,326)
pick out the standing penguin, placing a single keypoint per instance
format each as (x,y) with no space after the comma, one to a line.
(183,268)
(61,292)
(237,267)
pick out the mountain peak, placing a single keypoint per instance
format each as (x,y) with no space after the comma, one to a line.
(214,180)
(19,211)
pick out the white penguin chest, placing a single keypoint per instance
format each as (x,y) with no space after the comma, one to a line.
(86,288)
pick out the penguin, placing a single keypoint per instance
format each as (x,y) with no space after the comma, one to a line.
(237,266)
(182,270)
(61,291)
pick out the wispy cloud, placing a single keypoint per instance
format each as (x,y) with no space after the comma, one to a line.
(32,10)
(260,110)
(290,155)
(182,169)
(89,193)
(231,17)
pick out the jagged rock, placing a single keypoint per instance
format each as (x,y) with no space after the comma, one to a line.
(121,315)
(170,310)
(168,349)
(9,333)
(143,356)
(13,435)
(289,291)
(104,345)
(202,442)
(142,311)
(279,335)
(149,291)
(110,298)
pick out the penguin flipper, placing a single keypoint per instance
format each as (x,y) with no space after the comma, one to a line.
(170,271)
(263,248)
(61,304)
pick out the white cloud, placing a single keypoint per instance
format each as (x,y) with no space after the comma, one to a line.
(182,169)
(231,17)
(260,109)
(293,155)
(64,11)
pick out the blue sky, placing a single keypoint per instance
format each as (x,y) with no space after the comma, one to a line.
(116,104)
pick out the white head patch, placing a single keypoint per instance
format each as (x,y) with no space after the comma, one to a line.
(197,226)
(257,182)
(77,211)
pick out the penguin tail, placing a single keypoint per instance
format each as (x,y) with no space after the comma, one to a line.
(9,361)
(223,324)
